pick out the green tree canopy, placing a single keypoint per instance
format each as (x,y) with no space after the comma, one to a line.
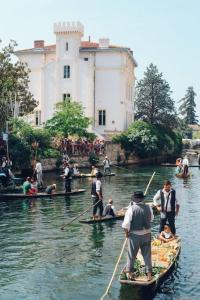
(145,140)
(15,97)
(68,119)
(153,99)
(187,109)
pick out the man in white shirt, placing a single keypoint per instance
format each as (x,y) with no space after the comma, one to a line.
(106,164)
(168,206)
(137,226)
(185,164)
(97,195)
(38,170)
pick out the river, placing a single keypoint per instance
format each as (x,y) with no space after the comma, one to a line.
(39,261)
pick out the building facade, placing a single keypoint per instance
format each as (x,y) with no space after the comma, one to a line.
(98,75)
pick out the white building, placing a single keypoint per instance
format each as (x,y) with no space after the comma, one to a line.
(98,75)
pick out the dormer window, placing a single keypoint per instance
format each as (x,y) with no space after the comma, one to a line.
(66,46)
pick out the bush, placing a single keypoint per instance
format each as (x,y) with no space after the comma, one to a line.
(93,158)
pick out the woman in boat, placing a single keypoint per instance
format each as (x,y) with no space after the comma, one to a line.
(179,169)
(109,209)
(137,226)
(27,189)
(166,235)
(94,171)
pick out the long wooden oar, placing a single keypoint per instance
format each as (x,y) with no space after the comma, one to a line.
(120,256)
(68,223)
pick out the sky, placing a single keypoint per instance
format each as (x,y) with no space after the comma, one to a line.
(163,32)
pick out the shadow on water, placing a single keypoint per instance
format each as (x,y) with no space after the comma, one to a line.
(135,293)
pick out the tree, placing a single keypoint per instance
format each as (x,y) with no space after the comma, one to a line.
(153,99)
(187,107)
(146,140)
(15,97)
(68,119)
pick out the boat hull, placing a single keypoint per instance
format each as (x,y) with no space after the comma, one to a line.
(10,196)
(156,281)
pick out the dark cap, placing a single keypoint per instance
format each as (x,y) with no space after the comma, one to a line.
(138,196)
(99,175)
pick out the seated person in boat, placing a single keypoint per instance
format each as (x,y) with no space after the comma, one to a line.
(179,169)
(94,171)
(166,235)
(178,161)
(27,189)
(34,185)
(76,170)
(50,189)
(109,209)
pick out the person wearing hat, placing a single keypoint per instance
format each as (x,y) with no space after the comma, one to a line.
(97,195)
(50,189)
(137,226)
(168,206)
(106,165)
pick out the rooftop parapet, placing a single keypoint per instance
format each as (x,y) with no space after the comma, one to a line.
(68,27)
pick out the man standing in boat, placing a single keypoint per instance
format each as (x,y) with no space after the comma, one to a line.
(97,196)
(106,165)
(38,170)
(137,226)
(185,164)
(68,177)
(168,206)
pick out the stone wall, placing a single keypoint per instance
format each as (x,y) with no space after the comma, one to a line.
(112,151)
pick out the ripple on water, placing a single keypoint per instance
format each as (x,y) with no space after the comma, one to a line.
(39,261)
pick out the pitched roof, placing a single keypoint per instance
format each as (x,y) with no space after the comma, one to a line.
(84,44)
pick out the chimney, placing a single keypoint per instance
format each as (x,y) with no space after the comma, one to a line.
(104,43)
(39,44)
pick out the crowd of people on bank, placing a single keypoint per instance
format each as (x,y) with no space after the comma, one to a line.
(81,146)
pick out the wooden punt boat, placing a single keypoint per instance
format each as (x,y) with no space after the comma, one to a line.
(89,175)
(174,165)
(120,216)
(182,175)
(164,257)
(10,196)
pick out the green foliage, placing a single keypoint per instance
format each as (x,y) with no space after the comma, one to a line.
(31,142)
(118,157)
(187,107)
(19,152)
(146,140)
(15,98)
(153,99)
(183,129)
(68,120)
(51,153)
(93,159)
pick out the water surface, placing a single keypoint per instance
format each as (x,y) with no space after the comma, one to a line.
(39,261)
